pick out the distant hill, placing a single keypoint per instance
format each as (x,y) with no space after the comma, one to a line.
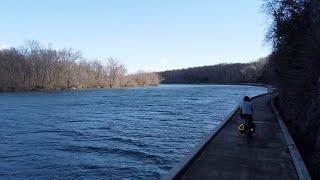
(222,73)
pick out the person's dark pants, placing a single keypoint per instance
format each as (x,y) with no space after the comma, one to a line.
(247,116)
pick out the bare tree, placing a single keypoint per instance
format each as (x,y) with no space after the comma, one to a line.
(116,72)
(295,34)
(36,67)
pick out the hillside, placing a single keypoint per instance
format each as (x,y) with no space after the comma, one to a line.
(222,73)
(295,34)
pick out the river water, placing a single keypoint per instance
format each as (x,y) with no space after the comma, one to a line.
(135,133)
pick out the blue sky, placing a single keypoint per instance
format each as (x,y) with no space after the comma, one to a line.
(143,34)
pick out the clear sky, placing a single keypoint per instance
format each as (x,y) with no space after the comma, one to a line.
(143,34)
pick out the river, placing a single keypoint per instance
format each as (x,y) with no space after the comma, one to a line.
(134,133)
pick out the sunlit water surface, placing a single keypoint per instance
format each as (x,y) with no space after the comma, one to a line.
(137,133)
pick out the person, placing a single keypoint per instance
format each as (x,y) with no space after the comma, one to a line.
(247,114)
(246,108)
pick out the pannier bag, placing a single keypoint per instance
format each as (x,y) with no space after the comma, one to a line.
(241,128)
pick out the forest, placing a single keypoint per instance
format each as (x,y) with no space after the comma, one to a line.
(254,72)
(34,67)
(295,62)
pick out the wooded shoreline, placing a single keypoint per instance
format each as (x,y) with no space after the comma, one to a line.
(13,89)
(34,67)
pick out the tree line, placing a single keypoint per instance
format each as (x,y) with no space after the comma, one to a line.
(36,67)
(295,62)
(253,72)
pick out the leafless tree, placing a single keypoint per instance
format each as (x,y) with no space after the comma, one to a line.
(295,34)
(36,67)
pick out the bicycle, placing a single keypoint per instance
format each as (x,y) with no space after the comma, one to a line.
(248,127)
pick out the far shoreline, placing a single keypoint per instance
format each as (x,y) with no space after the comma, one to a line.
(70,89)
(246,84)
(120,88)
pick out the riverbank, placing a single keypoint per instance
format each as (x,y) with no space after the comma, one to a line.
(34,67)
(14,89)
(268,86)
